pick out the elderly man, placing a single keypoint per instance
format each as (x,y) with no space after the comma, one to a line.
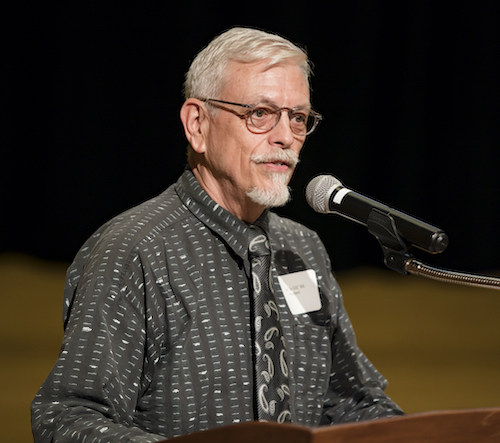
(201,308)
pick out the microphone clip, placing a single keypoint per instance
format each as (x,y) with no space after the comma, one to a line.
(383,227)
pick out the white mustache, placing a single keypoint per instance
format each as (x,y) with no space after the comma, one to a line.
(283,155)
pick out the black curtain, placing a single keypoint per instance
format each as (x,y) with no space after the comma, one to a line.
(409,92)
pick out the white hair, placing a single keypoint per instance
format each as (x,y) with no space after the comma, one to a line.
(205,77)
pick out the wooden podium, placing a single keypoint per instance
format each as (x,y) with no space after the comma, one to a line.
(461,426)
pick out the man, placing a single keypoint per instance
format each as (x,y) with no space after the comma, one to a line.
(163,335)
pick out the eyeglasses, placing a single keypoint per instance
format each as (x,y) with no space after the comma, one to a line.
(262,117)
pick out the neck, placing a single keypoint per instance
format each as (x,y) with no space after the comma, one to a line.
(223,194)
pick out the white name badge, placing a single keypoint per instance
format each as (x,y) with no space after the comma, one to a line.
(301,291)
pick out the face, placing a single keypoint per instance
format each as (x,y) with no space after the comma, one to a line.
(245,171)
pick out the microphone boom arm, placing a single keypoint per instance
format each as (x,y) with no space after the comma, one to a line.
(416,267)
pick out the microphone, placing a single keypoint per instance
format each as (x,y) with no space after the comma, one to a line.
(326,194)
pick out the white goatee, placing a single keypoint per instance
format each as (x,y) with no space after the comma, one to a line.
(277,193)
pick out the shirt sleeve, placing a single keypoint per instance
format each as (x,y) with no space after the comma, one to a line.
(92,392)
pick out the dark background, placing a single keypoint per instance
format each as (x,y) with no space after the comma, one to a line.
(409,91)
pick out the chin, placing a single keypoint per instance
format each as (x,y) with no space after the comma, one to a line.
(274,196)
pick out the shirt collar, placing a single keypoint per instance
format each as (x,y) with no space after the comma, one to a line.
(231,229)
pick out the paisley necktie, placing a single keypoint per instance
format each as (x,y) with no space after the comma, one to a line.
(271,368)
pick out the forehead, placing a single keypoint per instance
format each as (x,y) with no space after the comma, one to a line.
(284,82)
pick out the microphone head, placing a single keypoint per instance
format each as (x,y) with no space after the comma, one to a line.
(318,192)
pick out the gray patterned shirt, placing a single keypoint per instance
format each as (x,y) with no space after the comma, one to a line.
(157,329)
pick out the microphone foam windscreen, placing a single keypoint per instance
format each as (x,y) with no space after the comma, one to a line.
(318,191)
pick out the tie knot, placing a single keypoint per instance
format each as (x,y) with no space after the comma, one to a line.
(259,244)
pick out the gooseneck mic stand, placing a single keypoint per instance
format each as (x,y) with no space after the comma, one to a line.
(397,258)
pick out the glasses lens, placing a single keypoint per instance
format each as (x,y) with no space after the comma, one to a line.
(302,122)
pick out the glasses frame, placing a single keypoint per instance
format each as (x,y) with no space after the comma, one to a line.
(248,115)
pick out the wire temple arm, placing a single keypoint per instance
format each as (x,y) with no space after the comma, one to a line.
(416,267)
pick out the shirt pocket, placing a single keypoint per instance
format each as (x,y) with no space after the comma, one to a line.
(311,368)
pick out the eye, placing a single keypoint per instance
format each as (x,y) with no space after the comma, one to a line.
(299,121)
(263,117)
(300,117)
(261,113)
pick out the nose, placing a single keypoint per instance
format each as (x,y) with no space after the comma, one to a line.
(281,135)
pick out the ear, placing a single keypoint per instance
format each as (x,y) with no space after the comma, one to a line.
(194,116)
